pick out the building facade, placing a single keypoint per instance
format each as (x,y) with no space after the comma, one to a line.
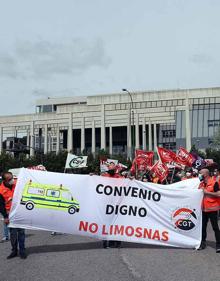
(117,122)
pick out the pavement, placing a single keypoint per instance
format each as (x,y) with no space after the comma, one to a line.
(66,258)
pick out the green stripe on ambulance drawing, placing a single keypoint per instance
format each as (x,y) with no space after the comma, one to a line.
(49,200)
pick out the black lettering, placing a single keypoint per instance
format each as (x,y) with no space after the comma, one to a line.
(132,210)
(126,190)
(142,212)
(149,195)
(108,187)
(143,193)
(134,192)
(109,209)
(97,188)
(118,191)
(123,210)
(156,196)
(116,209)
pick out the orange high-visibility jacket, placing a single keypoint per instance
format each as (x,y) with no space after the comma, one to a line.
(7,194)
(210,204)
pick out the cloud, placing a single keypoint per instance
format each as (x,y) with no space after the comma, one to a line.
(8,66)
(201,59)
(45,59)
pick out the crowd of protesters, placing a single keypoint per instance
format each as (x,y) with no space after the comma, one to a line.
(209,183)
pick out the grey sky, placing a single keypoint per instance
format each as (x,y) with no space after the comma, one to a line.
(52,48)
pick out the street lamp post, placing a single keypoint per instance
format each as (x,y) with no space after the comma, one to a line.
(132,122)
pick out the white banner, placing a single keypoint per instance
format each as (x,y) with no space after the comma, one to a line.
(73,161)
(105,208)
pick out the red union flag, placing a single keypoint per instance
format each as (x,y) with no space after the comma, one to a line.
(161,170)
(146,155)
(143,161)
(184,157)
(166,155)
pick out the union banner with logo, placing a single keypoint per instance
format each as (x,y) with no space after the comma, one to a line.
(74,161)
(108,208)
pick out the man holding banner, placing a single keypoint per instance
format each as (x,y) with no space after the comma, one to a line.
(112,174)
(211,205)
(17,235)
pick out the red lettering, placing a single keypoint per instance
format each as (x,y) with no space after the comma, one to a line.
(156,235)
(83,226)
(138,232)
(104,231)
(147,233)
(119,230)
(111,229)
(93,227)
(131,231)
(165,235)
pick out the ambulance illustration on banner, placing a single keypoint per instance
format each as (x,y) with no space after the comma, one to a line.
(48,196)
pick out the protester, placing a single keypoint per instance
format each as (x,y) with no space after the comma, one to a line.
(210,206)
(17,235)
(188,174)
(155,178)
(111,173)
(195,173)
(5,237)
(5,232)
(216,175)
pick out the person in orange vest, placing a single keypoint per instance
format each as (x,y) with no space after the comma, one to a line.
(17,235)
(5,230)
(210,207)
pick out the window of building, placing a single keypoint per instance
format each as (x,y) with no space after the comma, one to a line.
(201,101)
(213,123)
(137,105)
(170,145)
(159,103)
(212,100)
(180,102)
(47,108)
(154,104)
(38,109)
(123,106)
(195,101)
(174,102)
(143,104)
(169,103)
(118,106)
(169,133)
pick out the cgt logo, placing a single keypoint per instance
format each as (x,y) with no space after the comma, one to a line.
(76,161)
(184,219)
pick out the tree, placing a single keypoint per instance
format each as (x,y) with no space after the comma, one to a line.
(216,139)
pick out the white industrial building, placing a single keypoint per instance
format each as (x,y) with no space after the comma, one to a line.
(118,122)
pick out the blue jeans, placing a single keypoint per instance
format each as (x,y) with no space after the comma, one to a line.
(5,230)
(17,236)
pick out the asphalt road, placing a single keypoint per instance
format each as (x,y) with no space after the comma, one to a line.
(66,257)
